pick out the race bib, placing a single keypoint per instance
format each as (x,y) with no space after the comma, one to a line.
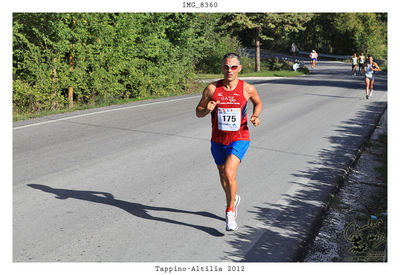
(229,119)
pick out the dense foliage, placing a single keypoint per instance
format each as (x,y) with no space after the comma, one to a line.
(265,26)
(62,59)
(343,34)
(89,57)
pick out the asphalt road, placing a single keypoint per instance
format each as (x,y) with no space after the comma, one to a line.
(137,183)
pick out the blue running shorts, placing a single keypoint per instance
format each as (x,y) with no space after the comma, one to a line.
(220,152)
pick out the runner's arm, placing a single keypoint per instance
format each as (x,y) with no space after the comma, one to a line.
(206,104)
(257,104)
(377,69)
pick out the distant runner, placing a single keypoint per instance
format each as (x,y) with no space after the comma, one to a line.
(361,61)
(353,61)
(370,68)
(314,58)
(294,50)
(226,100)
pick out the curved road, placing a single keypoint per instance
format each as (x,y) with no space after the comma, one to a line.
(137,182)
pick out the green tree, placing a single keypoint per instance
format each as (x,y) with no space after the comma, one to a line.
(345,33)
(60,59)
(266,26)
(38,60)
(366,31)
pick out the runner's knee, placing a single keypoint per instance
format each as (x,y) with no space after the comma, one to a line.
(230,174)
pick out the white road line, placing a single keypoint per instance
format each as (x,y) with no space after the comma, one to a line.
(106,111)
(101,112)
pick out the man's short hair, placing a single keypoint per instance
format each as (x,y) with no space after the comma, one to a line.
(231,55)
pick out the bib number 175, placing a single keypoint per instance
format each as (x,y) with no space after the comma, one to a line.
(228,119)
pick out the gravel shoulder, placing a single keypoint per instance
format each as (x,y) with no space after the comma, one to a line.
(354,228)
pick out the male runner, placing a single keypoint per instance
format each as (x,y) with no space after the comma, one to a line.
(370,68)
(226,100)
(361,61)
(353,61)
(314,58)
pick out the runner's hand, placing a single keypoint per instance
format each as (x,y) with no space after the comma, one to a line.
(255,121)
(211,105)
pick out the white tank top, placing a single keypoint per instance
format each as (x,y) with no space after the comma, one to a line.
(368,70)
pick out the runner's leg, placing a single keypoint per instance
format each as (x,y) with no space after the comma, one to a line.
(224,184)
(231,166)
(227,174)
(367,86)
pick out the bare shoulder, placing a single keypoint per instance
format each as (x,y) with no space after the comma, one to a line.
(207,94)
(248,87)
(210,89)
(249,90)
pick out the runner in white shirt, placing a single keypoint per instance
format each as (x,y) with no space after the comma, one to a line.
(314,58)
(361,62)
(370,68)
(353,61)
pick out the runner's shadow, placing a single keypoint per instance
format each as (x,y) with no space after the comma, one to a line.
(136,209)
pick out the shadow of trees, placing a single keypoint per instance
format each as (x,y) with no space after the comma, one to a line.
(287,226)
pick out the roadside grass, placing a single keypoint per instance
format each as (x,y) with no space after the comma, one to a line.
(193,88)
(77,107)
(264,73)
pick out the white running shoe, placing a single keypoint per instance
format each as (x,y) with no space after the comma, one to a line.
(237,201)
(370,93)
(231,223)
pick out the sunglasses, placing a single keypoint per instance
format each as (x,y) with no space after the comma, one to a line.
(232,67)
